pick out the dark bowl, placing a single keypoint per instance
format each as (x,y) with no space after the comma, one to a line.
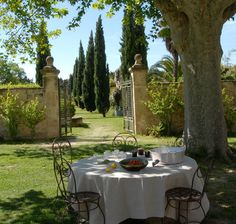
(126,164)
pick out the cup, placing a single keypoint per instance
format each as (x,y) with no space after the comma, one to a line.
(141,152)
(147,154)
(134,153)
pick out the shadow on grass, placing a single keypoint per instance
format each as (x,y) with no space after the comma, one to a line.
(221,193)
(89,150)
(33,153)
(33,207)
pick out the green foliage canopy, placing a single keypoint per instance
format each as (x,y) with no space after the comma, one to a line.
(20,25)
(10,72)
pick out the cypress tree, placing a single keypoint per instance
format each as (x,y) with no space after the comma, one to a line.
(88,79)
(101,76)
(75,81)
(71,83)
(43,50)
(80,75)
(133,41)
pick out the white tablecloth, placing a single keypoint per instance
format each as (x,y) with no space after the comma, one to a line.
(138,195)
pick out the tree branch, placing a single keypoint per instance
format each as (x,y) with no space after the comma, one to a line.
(174,12)
(229,11)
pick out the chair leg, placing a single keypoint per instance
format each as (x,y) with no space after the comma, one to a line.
(104,220)
(203,210)
(163,220)
(87,210)
(178,211)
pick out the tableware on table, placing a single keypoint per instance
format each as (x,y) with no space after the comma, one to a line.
(134,164)
(168,155)
(147,154)
(141,152)
(134,153)
(107,154)
(154,163)
(122,155)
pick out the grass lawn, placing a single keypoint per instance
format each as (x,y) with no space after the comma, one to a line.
(28,188)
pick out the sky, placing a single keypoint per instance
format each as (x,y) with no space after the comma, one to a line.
(65,48)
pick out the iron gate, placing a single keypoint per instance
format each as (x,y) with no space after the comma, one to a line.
(65,107)
(127,103)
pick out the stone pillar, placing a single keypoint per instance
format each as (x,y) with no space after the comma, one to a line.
(140,111)
(51,96)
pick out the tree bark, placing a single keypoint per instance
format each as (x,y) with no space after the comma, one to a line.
(196,28)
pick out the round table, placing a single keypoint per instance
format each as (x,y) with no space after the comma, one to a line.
(133,194)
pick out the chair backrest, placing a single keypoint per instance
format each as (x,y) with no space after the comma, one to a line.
(63,172)
(125,139)
(61,147)
(201,176)
(179,142)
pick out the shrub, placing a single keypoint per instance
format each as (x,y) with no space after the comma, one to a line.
(164,102)
(10,111)
(33,113)
(229,110)
(13,112)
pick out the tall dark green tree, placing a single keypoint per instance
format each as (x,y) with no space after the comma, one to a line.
(133,41)
(43,50)
(75,80)
(88,80)
(80,75)
(100,71)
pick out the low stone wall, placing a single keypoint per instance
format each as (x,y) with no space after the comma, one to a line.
(178,118)
(48,96)
(142,116)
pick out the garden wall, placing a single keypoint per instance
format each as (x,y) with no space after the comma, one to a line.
(48,96)
(178,118)
(142,116)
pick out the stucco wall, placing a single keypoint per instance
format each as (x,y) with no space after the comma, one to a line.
(42,129)
(48,96)
(178,119)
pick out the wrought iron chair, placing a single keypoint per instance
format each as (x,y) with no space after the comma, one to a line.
(179,141)
(125,139)
(176,197)
(61,146)
(78,202)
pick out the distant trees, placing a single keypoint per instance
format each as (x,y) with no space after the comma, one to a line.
(43,50)
(80,75)
(101,71)
(75,78)
(88,80)
(10,72)
(133,41)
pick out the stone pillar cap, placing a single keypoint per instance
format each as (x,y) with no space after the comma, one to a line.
(50,68)
(138,63)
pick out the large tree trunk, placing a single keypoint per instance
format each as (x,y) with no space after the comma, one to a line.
(204,116)
(196,28)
